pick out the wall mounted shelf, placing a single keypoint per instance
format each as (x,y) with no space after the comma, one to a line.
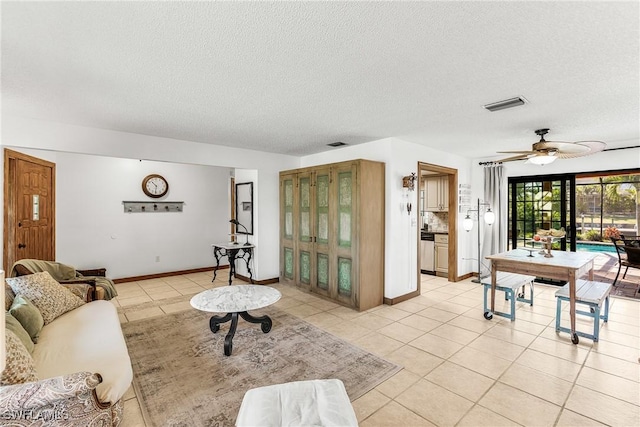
(133,207)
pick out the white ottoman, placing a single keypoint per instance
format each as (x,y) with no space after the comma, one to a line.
(301,403)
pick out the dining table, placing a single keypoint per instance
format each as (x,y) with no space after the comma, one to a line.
(560,265)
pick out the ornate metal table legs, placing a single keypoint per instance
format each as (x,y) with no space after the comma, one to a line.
(216,321)
(240,252)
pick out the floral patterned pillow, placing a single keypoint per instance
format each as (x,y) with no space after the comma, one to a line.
(20,367)
(49,296)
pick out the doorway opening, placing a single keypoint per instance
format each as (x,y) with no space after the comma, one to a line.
(437,221)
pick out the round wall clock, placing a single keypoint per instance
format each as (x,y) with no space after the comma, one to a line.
(155,185)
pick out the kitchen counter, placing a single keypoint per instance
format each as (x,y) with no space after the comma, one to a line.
(434,232)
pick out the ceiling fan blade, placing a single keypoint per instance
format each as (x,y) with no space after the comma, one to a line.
(567,150)
(556,149)
(517,152)
(518,157)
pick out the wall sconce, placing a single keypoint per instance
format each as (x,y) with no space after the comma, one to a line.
(467,224)
(409,182)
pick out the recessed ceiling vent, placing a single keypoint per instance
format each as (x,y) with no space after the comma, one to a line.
(507,103)
(336,144)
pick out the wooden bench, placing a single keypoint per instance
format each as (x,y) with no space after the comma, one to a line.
(509,283)
(592,294)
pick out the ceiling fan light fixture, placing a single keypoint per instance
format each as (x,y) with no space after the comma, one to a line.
(507,103)
(542,160)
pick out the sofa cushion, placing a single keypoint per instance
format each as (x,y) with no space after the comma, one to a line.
(88,338)
(28,315)
(51,298)
(14,326)
(20,366)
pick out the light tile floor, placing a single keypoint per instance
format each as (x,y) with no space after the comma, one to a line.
(458,368)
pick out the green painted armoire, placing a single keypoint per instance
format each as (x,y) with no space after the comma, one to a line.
(332,231)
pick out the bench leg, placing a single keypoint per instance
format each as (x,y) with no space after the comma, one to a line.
(512,294)
(531,292)
(596,323)
(485,309)
(558,312)
(606,309)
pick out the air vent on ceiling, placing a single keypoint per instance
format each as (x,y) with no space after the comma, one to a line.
(507,103)
(336,144)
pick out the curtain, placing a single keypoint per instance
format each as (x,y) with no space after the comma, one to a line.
(495,193)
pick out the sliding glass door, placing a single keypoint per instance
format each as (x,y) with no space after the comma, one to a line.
(542,202)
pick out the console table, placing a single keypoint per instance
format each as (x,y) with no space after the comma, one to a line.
(233,251)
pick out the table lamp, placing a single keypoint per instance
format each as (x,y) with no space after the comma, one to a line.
(236,223)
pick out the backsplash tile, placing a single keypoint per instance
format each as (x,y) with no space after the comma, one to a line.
(436,221)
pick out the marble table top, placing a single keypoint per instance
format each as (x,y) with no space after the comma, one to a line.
(232,246)
(235,298)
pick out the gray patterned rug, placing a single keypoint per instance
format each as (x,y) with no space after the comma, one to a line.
(182,378)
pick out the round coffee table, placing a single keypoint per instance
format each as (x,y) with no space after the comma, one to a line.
(235,300)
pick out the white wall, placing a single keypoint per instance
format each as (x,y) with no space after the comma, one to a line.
(92,229)
(401,233)
(35,134)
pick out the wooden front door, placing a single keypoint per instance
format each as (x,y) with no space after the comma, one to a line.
(29,200)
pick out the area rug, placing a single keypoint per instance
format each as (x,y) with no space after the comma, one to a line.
(182,378)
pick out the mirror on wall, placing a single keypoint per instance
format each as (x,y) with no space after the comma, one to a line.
(244,207)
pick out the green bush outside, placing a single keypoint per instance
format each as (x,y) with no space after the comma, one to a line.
(593,236)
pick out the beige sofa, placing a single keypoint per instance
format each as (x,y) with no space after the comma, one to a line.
(83,371)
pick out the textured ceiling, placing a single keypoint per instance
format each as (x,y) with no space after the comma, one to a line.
(291,77)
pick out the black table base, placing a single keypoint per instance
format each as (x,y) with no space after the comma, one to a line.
(240,252)
(216,321)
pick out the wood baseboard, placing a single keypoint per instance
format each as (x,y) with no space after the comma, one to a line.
(193,270)
(396,300)
(466,276)
(168,274)
(257,282)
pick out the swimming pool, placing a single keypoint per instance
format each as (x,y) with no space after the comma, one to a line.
(595,247)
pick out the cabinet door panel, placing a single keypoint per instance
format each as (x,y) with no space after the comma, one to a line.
(304,185)
(432,194)
(324,232)
(289,267)
(345,277)
(444,192)
(287,228)
(345,208)
(322,208)
(344,251)
(305,267)
(323,273)
(305,271)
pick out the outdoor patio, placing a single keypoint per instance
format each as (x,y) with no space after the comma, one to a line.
(606,268)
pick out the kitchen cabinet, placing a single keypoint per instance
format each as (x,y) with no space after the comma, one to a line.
(332,231)
(442,253)
(437,193)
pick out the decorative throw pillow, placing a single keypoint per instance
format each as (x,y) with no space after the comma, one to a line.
(14,326)
(19,367)
(28,315)
(51,298)
(8,296)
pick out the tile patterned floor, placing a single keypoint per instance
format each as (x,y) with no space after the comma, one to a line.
(459,369)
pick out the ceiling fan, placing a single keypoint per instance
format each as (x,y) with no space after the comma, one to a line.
(544,152)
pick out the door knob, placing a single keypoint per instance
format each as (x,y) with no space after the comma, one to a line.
(21,245)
